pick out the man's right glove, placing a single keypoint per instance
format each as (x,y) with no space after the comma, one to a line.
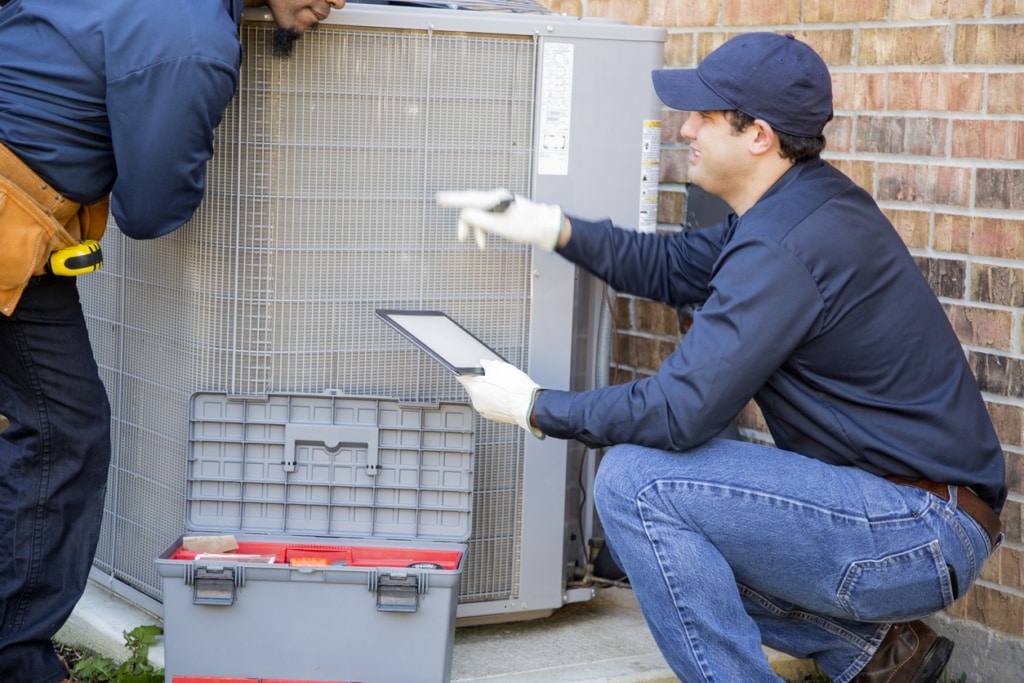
(504,393)
(501,213)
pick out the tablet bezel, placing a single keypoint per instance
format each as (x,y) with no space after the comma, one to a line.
(393,318)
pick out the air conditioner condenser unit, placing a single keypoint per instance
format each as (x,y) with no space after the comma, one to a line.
(319,210)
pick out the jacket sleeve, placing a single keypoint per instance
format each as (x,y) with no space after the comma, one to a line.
(162,120)
(672,269)
(762,303)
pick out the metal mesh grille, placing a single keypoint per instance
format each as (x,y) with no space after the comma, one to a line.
(319,209)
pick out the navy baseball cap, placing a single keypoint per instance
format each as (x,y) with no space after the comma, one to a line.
(766,76)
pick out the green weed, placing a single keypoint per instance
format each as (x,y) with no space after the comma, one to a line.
(135,669)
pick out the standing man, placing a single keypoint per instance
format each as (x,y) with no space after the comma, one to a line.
(102,104)
(878,504)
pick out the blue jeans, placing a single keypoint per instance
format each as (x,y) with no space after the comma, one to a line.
(735,544)
(53,473)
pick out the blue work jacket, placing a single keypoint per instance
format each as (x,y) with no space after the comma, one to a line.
(811,305)
(119,97)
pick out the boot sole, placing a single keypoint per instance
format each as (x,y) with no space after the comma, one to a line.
(935,661)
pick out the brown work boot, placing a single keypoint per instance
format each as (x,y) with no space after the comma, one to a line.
(909,653)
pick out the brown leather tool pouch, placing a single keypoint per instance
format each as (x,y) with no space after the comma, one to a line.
(36,220)
(91,220)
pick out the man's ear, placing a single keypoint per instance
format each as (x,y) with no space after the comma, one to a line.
(765,138)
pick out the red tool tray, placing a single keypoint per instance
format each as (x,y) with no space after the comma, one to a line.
(352,556)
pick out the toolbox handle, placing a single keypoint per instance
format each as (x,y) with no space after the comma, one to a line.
(398,591)
(332,438)
(214,584)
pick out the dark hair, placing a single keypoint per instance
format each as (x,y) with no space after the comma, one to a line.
(282,42)
(792,147)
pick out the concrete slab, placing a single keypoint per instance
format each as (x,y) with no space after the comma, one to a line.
(604,640)
(99,622)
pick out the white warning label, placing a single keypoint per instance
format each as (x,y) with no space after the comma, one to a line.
(555,109)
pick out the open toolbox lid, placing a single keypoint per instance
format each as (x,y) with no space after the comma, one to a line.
(330,466)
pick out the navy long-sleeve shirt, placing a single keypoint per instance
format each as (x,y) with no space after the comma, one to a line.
(119,97)
(811,305)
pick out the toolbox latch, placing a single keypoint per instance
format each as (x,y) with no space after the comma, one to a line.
(214,584)
(400,591)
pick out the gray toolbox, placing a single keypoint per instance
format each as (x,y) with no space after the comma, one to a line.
(350,515)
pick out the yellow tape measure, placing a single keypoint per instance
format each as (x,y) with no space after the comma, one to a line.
(77,260)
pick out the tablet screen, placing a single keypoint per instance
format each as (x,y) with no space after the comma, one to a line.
(448,342)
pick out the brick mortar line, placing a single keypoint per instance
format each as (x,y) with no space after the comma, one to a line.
(986,305)
(978,259)
(928,114)
(1015,592)
(921,160)
(929,68)
(647,334)
(1009,355)
(956,210)
(1012,402)
(853,25)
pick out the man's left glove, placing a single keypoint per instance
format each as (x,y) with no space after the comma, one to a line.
(504,393)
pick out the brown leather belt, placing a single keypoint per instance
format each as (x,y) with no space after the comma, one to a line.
(966,500)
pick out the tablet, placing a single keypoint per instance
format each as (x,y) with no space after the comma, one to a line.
(447,342)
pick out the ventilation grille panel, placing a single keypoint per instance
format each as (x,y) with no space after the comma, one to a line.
(319,209)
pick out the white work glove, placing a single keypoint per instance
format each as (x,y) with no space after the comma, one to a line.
(504,393)
(501,213)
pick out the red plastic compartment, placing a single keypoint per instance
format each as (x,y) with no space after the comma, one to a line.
(351,556)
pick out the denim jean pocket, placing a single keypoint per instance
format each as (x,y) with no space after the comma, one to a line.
(901,587)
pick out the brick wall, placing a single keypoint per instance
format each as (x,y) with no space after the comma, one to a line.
(929,100)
